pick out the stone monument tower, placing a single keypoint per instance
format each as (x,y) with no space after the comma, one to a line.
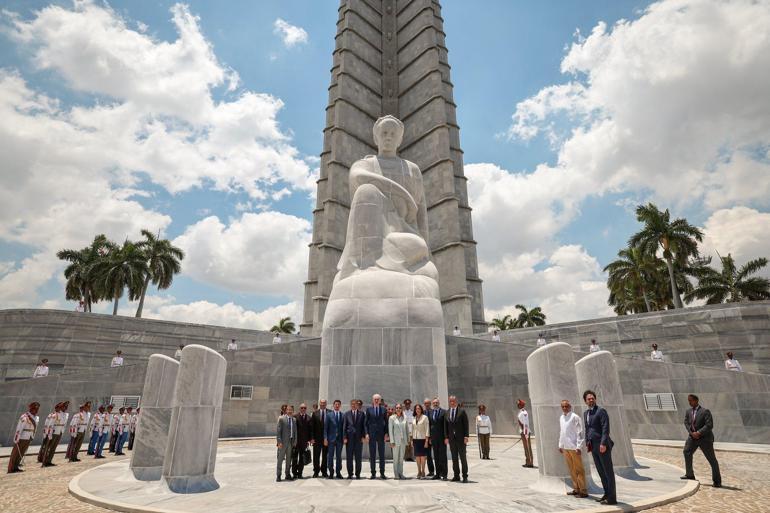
(391,58)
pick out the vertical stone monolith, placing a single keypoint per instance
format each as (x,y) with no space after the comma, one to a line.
(598,372)
(191,450)
(551,376)
(155,418)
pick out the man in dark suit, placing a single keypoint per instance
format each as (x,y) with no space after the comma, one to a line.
(456,428)
(376,430)
(304,435)
(598,441)
(333,438)
(438,439)
(317,421)
(700,426)
(353,433)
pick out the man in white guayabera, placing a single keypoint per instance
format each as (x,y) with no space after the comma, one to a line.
(390,227)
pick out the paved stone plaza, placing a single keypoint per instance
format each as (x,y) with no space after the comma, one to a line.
(745,475)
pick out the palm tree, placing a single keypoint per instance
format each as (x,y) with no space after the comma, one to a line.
(81,279)
(285,325)
(163,262)
(732,285)
(678,239)
(634,270)
(121,268)
(504,323)
(529,318)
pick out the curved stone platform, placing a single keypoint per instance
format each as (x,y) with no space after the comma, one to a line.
(247,478)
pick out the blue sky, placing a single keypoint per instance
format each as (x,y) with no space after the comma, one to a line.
(204,120)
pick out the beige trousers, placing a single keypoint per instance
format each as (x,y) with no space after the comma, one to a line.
(575,466)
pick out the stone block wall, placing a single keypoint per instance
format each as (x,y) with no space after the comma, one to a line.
(78,342)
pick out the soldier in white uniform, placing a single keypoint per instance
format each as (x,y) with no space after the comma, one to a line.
(41,370)
(277,339)
(178,353)
(101,429)
(78,427)
(25,432)
(523,420)
(594,346)
(456,331)
(232,346)
(541,340)
(114,419)
(656,355)
(732,364)
(117,360)
(122,430)
(495,336)
(95,430)
(59,425)
(47,430)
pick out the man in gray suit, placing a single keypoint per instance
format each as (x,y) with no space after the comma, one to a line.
(700,426)
(286,438)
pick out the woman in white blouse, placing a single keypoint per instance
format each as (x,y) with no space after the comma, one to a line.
(420,439)
(483,430)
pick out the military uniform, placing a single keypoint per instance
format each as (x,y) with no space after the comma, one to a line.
(59,425)
(122,431)
(78,426)
(47,428)
(114,419)
(25,431)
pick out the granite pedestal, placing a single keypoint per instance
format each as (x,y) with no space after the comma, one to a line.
(191,450)
(155,417)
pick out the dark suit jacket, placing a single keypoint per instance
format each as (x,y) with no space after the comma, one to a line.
(457,430)
(704,423)
(375,425)
(333,429)
(304,430)
(318,425)
(597,427)
(353,429)
(437,426)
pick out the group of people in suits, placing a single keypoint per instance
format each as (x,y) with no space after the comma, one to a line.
(424,433)
(698,422)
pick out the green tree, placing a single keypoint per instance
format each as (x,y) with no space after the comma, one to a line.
(678,239)
(121,268)
(731,284)
(504,323)
(633,271)
(529,318)
(81,279)
(285,325)
(163,262)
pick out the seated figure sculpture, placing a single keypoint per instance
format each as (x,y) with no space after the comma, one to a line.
(383,329)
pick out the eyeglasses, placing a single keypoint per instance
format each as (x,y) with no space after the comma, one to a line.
(303,408)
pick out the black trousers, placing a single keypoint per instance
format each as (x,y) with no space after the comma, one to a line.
(319,457)
(377,445)
(439,458)
(459,457)
(707,447)
(354,451)
(297,461)
(603,464)
(431,467)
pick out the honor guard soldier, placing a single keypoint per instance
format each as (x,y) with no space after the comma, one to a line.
(94,430)
(101,430)
(41,370)
(78,427)
(114,419)
(47,429)
(122,431)
(25,432)
(59,425)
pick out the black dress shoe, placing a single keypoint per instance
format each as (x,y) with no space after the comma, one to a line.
(383,476)
(278,479)
(692,478)
(430,474)
(608,502)
(374,476)
(455,479)
(350,477)
(465,480)
(436,477)
(339,476)
(315,474)
(602,498)
(358,477)
(329,477)
(717,485)
(444,478)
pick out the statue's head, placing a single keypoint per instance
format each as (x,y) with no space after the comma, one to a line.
(388,133)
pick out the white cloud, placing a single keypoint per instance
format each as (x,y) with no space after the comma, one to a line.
(228,314)
(676,102)
(260,253)
(740,231)
(291,35)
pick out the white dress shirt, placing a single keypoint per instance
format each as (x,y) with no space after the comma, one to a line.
(41,371)
(496,337)
(483,425)
(656,356)
(117,361)
(594,348)
(571,435)
(541,342)
(276,339)
(733,365)
(25,429)
(456,332)
(178,354)
(524,419)
(232,346)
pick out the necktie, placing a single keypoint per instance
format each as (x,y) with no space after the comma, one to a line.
(453,414)
(338,417)
(694,410)
(291,427)
(354,415)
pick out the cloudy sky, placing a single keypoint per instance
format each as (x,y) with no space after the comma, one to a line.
(204,121)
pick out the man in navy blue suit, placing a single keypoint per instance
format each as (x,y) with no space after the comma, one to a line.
(353,433)
(333,440)
(598,441)
(376,430)
(438,438)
